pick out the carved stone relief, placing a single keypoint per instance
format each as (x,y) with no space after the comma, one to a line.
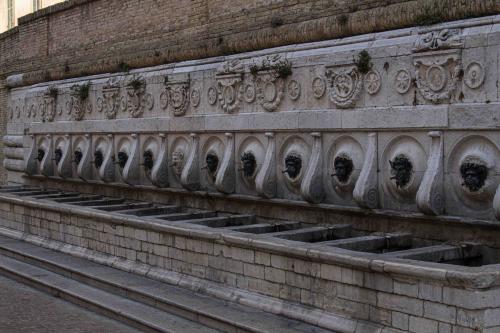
(294,89)
(225,180)
(78,104)
(178,95)
(345,84)
(266,180)
(473,171)
(318,87)
(195,97)
(137,98)
(104,157)
(212,155)
(83,157)
(49,104)
(437,75)
(403,164)
(212,95)
(311,187)
(63,156)
(249,161)
(270,83)
(373,82)
(366,192)
(229,79)
(434,40)
(158,173)
(128,158)
(402,81)
(179,151)
(343,165)
(111,100)
(474,75)
(190,177)
(293,160)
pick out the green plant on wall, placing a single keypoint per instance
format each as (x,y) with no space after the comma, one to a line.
(82,91)
(363,63)
(282,68)
(123,67)
(136,83)
(53,92)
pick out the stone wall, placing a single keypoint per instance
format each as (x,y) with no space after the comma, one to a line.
(80,37)
(340,290)
(387,120)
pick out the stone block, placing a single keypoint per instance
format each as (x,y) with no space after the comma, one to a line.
(422,325)
(440,312)
(400,303)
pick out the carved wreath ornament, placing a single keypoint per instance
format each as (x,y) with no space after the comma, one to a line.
(111,103)
(229,79)
(178,94)
(345,85)
(270,83)
(438,76)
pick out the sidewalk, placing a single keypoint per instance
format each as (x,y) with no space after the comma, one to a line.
(26,310)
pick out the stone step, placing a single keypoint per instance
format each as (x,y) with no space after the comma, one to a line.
(169,209)
(73,200)
(315,234)
(57,195)
(264,228)
(215,313)
(223,221)
(184,216)
(100,202)
(123,206)
(136,314)
(37,193)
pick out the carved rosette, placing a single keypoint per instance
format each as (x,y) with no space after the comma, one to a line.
(111,105)
(438,75)
(270,85)
(345,84)
(229,79)
(178,96)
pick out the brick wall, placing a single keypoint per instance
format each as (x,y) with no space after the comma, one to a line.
(81,37)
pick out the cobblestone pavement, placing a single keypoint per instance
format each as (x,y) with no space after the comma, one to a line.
(26,310)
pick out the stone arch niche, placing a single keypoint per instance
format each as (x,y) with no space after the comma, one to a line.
(212,154)
(179,149)
(292,163)
(82,156)
(45,152)
(154,160)
(103,157)
(62,156)
(472,173)
(31,156)
(127,158)
(250,156)
(402,166)
(343,162)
